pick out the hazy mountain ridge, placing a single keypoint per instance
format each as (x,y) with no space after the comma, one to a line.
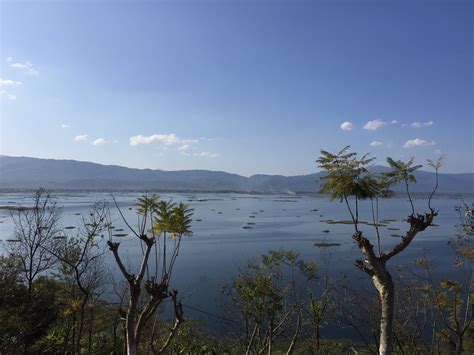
(30,173)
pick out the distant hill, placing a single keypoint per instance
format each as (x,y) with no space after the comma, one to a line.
(31,173)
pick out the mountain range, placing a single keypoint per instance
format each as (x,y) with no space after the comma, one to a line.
(31,173)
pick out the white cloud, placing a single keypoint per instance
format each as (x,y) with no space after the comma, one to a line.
(422,124)
(184,147)
(206,155)
(166,139)
(64,126)
(99,141)
(394,122)
(7,82)
(417,142)
(27,67)
(81,138)
(376,144)
(374,125)
(7,95)
(347,126)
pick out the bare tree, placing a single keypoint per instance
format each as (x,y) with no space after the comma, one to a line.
(159,220)
(35,235)
(80,263)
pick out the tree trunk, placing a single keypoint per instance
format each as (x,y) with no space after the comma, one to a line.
(132,344)
(459,344)
(385,288)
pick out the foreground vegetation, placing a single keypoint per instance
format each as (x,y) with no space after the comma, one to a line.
(56,291)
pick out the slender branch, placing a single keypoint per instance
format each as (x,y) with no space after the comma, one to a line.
(113,246)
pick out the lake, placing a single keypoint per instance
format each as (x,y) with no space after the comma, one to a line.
(220,244)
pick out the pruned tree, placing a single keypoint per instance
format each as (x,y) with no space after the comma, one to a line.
(349,180)
(158,221)
(36,231)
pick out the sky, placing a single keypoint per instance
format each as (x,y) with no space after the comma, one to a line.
(241,86)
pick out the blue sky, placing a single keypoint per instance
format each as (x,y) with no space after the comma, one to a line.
(245,87)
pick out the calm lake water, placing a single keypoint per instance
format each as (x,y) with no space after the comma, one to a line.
(220,245)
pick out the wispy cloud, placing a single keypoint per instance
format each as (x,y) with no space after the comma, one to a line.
(64,126)
(207,155)
(99,141)
(374,125)
(376,144)
(347,126)
(81,138)
(417,142)
(184,147)
(421,124)
(7,95)
(7,82)
(26,67)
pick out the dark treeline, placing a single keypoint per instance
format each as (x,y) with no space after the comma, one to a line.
(58,296)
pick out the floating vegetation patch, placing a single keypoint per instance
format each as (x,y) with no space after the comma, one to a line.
(395,235)
(330,221)
(393,229)
(298,216)
(388,220)
(326,244)
(247,227)
(285,200)
(326,231)
(60,237)
(250,223)
(315,210)
(261,211)
(119,230)
(251,216)
(434,225)
(198,220)
(238,209)
(120,235)
(376,225)
(77,214)
(13,240)
(16,208)
(219,212)
(69,227)
(254,212)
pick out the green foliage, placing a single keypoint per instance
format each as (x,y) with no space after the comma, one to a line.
(167,216)
(347,175)
(402,171)
(25,317)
